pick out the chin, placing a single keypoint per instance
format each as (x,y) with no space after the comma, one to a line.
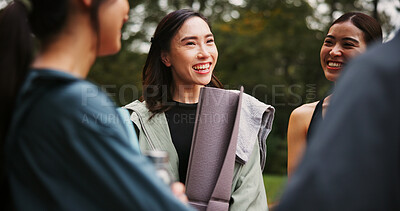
(205,82)
(109,50)
(331,77)
(108,53)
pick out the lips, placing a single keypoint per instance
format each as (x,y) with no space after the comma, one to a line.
(334,65)
(203,68)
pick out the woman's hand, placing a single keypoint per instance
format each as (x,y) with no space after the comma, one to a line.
(179,191)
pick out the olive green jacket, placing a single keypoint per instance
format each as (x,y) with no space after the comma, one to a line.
(248,192)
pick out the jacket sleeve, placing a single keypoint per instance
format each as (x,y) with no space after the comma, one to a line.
(93,165)
(248,191)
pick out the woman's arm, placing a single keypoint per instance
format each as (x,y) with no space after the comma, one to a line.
(297,135)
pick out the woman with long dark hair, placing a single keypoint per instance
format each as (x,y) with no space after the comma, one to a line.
(348,36)
(65,146)
(181,60)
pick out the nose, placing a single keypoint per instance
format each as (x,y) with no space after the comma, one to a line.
(126,18)
(203,52)
(335,51)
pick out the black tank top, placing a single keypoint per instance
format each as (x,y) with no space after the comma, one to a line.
(181,118)
(316,117)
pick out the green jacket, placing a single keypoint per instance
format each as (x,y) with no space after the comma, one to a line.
(248,192)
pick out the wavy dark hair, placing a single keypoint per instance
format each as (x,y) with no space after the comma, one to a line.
(157,78)
(18,21)
(368,25)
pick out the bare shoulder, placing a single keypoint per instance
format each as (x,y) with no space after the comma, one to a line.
(297,133)
(301,117)
(304,111)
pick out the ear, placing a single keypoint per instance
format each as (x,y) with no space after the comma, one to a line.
(165,59)
(87,3)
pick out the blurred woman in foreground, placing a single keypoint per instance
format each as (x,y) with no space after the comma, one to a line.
(66,145)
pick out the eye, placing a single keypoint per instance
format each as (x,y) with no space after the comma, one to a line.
(328,42)
(190,43)
(349,45)
(210,40)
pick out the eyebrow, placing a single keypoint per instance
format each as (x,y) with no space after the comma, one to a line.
(194,37)
(346,38)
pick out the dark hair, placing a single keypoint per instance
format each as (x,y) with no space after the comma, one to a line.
(157,78)
(368,25)
(43,18)
(18,21)
(15,57)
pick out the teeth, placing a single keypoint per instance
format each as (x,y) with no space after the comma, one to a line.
(201,67)
(334,64)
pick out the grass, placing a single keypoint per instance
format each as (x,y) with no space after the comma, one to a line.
(274,185)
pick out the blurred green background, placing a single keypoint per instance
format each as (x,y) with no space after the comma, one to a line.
(271,47)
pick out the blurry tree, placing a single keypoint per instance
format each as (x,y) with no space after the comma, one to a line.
(271,47)
(332,9)
(120,74)
(271,51)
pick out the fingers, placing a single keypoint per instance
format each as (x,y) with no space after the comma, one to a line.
(179,191)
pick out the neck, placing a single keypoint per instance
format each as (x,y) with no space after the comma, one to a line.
(72,51)
(186,93)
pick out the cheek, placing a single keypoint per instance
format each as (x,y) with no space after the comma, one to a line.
(324,51)
(322,55)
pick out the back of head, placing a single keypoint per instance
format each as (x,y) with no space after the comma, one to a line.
(20,19)
(368,25)
(44,18)
(17,20)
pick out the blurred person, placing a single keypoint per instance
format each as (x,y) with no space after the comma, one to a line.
(353,160)
(181,60)
(348,36)
(66,147)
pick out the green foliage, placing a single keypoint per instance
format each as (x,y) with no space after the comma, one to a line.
(274,185)
(119,76)
(269,50)
(268,47)
(275,56)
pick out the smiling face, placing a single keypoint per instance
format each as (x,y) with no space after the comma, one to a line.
(192,55)
(343,42)
(112,16)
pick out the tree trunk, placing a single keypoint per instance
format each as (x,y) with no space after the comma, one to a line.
(375,12)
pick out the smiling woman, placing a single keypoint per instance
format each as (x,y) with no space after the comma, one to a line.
(343,42)
(191,58)
(181,60)
(347,37)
